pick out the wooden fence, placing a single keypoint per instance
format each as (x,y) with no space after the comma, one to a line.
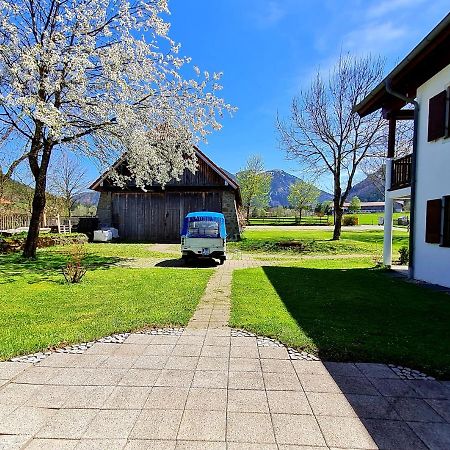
(11,221)
(306,220)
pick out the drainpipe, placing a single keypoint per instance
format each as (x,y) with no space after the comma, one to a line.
(413,102)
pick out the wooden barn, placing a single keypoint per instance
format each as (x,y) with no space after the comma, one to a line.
(157,214)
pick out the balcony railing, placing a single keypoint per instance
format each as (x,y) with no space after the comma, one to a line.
(401,172)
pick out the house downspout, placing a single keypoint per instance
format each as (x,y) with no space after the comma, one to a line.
(413,102)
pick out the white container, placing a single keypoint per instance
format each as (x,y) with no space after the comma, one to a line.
(114,231)
(103,236)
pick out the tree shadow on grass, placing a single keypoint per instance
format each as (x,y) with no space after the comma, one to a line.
(47,264)
(365,315)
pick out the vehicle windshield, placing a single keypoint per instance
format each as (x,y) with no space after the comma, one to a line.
(203,228)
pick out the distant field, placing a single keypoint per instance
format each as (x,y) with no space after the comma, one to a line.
(364,219)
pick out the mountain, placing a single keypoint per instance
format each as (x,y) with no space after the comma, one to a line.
(368,190)
(89,198)
(279,189)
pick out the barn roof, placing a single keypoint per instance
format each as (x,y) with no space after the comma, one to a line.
(221,172)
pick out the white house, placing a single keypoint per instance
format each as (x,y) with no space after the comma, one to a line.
(421,83)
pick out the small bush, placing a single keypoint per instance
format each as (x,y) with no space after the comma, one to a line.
(350,221)
(404,256)
(75,270)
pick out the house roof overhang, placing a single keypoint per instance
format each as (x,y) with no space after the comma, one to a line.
(429,57)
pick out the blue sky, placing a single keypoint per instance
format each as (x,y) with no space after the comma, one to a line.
(270,49)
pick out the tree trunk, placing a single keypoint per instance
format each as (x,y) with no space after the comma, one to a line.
(338,211)
(299,216)
(29,250)
(40,176)
(248,214)
(338,214)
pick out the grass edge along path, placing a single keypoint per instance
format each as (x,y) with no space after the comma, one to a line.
(345,311)
(41,311)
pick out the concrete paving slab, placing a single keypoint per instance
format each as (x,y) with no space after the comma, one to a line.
(207,399)
(209,363)
(67,424)
(9,370)
(25,420)
(157,424)
(297,430)
(167,398)
(436,436)
(52,444)
(288,402)
(246,400)
(112,423)
(393,434)
(249,428)
(127,397)
(346,432)
(201,425)
(101,444)
(140,377)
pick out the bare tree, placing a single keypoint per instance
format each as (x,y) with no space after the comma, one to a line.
(254,183)
(325,135)
(67,180)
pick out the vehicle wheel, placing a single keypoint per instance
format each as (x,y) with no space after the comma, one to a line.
(221,260)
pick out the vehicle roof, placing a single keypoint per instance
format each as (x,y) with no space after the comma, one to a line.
(210,214)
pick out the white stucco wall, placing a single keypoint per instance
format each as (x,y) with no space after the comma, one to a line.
(432,262)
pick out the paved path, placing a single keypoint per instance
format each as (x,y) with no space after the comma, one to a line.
(208,389)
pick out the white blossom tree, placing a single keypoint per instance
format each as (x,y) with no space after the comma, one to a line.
(100,78)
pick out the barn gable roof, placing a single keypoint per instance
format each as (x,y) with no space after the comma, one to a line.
(214,167)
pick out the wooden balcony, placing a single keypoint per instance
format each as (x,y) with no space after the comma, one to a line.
(401,172)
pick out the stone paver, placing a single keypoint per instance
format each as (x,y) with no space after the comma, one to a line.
(206,387)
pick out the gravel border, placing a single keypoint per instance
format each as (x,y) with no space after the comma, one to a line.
(118,338)
(402,372)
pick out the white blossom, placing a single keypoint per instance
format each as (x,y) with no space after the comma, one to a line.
(103,77)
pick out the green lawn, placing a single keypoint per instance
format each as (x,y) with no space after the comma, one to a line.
(372,218)
(318,241)
(344,310)
(38,309)
(364,219)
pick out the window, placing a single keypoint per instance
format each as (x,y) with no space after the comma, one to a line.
(437,111)
(203,228)
(433,225)
(446,222)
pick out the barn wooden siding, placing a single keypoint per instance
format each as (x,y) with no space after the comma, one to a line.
(203,177)
(158,216)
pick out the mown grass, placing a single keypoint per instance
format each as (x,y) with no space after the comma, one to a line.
(345,310)
(39,310)
(318,241)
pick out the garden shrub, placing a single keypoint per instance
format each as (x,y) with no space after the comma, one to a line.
(350,221)
(75,269)
(404,256)
(16,242)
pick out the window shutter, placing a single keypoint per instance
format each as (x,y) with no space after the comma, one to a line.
(436,116)
(433,226)
(446,228)
(447,109)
